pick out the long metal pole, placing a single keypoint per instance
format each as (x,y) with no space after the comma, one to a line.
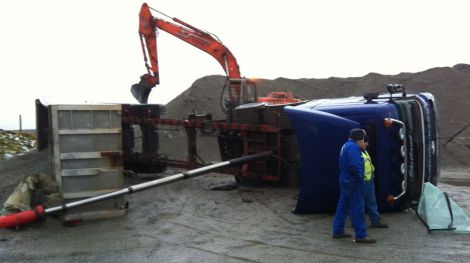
(159,182)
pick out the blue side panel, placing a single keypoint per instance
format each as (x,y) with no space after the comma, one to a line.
(320,136)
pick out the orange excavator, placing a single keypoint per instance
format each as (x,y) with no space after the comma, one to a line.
(237,91)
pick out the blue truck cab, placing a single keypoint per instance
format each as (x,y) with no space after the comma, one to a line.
(403,145)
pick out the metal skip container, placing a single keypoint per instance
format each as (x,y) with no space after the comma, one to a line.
(85,154)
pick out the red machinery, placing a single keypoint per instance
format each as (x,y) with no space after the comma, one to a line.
(238,90)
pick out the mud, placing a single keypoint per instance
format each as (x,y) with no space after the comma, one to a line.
(188,222)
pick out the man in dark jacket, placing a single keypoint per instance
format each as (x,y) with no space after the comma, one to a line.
(351,184)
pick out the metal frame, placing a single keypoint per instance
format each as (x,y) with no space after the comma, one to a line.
(194,123)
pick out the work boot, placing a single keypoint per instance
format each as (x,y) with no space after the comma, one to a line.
(367,240)
(342,235)
(379,225)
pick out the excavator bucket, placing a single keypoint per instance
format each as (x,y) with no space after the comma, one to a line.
(141,90)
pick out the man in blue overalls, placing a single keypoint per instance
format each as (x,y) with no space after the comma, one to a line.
(351,184)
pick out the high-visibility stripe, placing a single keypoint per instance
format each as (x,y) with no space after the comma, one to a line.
(368,166)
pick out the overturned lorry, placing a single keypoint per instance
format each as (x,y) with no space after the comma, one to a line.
(304,139)
(91,145)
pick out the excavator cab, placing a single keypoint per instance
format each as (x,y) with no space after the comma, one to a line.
(237,92)
(248,92)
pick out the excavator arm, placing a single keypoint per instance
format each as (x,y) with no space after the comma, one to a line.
(204,41)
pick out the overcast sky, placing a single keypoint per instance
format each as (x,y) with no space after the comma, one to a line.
(90,51)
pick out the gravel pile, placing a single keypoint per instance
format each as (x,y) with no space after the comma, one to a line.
(450,86)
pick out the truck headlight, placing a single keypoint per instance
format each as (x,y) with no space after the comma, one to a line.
(402,169)
(403,151)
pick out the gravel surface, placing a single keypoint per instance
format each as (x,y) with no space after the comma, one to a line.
(187,222)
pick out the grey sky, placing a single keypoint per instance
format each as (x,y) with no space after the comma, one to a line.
(90,51)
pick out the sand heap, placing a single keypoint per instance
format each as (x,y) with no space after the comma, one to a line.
(450,86)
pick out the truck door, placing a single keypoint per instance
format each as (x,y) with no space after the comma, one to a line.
(320,136)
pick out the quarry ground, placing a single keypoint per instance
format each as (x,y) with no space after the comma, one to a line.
(187,222)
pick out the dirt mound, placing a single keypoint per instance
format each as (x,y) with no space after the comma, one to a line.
(202,97)
(450,86)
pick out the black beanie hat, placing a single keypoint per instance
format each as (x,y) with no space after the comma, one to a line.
(356,134)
